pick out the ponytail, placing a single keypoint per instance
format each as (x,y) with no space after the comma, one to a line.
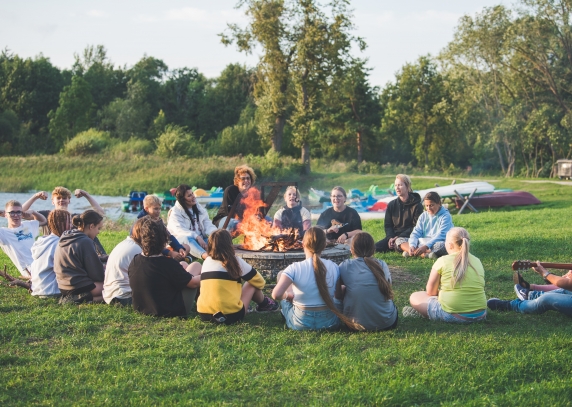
(89,217)
(461,238)
(315,242)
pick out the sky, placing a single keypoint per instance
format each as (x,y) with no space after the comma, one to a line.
(184,33)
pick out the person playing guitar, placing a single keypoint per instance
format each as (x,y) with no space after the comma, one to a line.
(537,299)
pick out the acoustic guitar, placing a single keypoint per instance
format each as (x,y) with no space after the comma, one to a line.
(526,264)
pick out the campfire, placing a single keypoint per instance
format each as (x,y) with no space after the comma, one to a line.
(259,233)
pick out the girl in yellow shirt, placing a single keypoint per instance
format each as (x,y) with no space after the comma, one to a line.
(455,290)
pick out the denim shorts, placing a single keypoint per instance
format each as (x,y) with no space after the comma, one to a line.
(436,313)
(302,320)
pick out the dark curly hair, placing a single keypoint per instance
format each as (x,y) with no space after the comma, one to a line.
(59,221)
(152,236)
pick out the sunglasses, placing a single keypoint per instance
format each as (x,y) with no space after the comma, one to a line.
(245,178)
(15,213)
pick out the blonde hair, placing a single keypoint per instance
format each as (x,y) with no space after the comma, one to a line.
(292,188)
(406,180)
(61,192)
(315,242)
(244,169)
(151,200)
(460,237)
(363,245)
(12,202)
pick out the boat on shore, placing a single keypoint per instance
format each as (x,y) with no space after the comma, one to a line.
(499,199)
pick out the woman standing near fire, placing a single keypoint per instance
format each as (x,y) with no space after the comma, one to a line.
(244,178)
(306,289)
(293,214)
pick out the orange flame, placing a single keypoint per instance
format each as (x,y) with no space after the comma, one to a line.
(254,227)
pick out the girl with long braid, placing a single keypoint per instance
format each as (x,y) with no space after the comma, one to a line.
(306,289)
(365,287)
(456,286)
(44,283)
(189,222)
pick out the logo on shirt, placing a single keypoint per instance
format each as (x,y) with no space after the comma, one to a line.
(22,235)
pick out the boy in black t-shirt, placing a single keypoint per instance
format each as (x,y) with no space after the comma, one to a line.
(161,286)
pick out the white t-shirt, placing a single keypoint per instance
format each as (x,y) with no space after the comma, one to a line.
(304,282)
(116,283)
(17,243)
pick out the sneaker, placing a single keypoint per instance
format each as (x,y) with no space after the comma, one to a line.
(499,305)
(405,254)
(517,278)
(410,312)
(77,299)
(271,306)
(521,292)
(431,256)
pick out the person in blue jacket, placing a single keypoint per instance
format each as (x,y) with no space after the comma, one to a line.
(428,236)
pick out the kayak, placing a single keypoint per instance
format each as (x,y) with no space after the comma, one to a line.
(498,199)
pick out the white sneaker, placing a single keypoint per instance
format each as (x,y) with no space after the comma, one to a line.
(431,256)
(411,312)
(405,254)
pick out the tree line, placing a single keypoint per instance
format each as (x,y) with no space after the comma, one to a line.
(497,98)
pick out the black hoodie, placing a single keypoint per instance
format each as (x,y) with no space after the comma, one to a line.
(76,262)
(401,217)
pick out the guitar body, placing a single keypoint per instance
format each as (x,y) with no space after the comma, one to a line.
(526,264)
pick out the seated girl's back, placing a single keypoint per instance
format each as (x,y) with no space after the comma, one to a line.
(368,296)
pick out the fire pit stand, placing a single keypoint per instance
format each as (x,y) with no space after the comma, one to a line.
(270,263)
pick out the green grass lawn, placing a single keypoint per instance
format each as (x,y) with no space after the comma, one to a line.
(102,355)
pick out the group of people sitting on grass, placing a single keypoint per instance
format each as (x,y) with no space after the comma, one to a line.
(154,268)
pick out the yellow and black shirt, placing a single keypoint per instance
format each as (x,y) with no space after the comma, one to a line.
(220,292)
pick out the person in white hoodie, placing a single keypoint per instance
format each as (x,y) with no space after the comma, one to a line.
(428,236)
(116,287)
(44,283)
(189,222)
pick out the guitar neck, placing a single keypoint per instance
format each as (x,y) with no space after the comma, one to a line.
(562,266)
(526,264)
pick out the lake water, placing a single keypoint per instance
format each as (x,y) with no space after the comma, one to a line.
(111,204)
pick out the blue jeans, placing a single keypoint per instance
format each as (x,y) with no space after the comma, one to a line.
(232,224)
(436,313)
(539,302)
(304,320)
(195,248)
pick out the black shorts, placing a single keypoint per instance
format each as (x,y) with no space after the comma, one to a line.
(230,318)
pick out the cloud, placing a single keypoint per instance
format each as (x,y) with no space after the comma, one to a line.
(187,14)
(96,13)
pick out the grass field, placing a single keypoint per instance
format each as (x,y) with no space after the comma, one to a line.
(102,355)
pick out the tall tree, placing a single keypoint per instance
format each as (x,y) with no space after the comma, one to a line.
(269,28)
(73,114)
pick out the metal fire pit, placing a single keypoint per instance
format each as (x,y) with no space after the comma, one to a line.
(270,263)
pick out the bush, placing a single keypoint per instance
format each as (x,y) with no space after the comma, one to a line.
(88,142)
(133,146)
(177,141)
